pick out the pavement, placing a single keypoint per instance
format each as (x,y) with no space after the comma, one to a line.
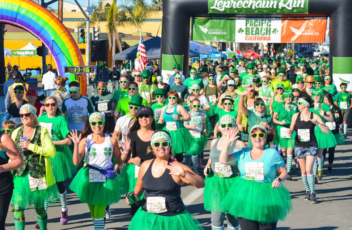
(333,210)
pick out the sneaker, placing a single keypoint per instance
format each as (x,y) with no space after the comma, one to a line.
(345,136)
(107,214)
(307,196)
(64,218)
(316,180)
(313,199)
(330,170)
(289,177)
(37,226)
(320,174)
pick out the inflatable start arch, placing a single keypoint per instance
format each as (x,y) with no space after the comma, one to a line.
(47,28)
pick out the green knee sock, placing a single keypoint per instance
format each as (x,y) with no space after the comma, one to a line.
(20,221)
(289,163)
(42,218)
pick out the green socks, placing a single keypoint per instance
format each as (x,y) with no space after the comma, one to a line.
(289,163)
(305,182)
(63,199)
(42,218)
(20,221)
(315,167)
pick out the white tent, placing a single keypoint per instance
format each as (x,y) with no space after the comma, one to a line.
(7,52)
(29,46)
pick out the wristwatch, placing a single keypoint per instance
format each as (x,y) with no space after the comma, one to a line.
(279,179)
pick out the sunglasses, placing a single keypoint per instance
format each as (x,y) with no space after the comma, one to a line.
(137,75)
(255,83)
(259,104)
(134,107)
(281,75)
(279,89)
(288,96)
(172,98)
(95,123)
(123,81)
(193,72)
(163,144)
(132,88)
(211,79)
(327,79)
(227,103)
(316,95)
(300,82)
(50,104)
(264,80)
(229,125)
(196,90)
(57,83)
(18,91)
(101,89)
(196,106)
(8,130)
(237,81)
(318,83)
(73,91)
(145,78)
(177,78)
(159,96)
(260,135)
(144,115)
(343,87)
(219,70)
(25,115)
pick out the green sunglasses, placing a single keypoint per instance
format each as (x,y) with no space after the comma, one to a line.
(228,103)
(101,89)
(264,80)
(328,79)
(172,98)
(211,79)
(132,88)
(95,123)
(196,106)
(288,96)
(124,81)
(145,78)
(57,83)
(134,107)
(318,83)
(193,72)
(316,95)
(343,87)
(281,75)
(74,91)
(237,81)
(163,144)
(259,104)
(255,135)
(18,91)
(196,90)
(7,130)
(159,96)
(229,125)
(177,78)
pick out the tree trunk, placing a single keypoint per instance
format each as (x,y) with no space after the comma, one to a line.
(113,50)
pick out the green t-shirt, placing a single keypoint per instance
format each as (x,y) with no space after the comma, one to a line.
(242,75)
(124,105)
(232,113)
(324,107)
(331,89)
(284,114)
(276,81)
(118,94)
(343,100)
(248,79)
(103,102)
(190,82)
(253,119)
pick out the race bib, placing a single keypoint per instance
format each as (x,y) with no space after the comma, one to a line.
(198,121)
(171,126)
(96,176)
(343,104)
(37,183)
(331,125)
(158,113)
(212,98)
(303,135)
(136,171)
(156,204)
(102,107)
(49,127)
(284,132)
(254,171)
(222,170)
(195,134)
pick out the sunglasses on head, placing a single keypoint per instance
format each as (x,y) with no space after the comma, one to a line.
(260,135)
(343,87)
(144,115)
(300,103)
(229,125)
(259,104)
(95,123)
(101,89)
(288,96)
(196,106)
(7,130)
(172,98)
(196,90)
(255,83)
(57,83)
(74,91)
(163,144)
(25,115)
(228,103)
(159,96)
(18,91)
(134,107)
(50,104)
(132,88)
(124,81)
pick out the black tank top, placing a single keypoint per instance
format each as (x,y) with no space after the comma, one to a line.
(301,128)
(166,187)
(6,180)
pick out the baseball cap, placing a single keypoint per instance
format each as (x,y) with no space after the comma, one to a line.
(280,86)
(145,110)
(230,82)
(32,92)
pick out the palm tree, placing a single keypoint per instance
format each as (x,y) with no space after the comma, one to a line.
(157,5)
(136,14)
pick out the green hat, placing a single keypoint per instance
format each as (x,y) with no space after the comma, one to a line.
(303,61)
(280,86)
(177,66)
(281,71)
(317,78)
(145,73)
(316,72)
(204,69)
(316,61)
(227,97)
(319,92)
(250,66)
(127,65)
(309,70)
(299,78)
(283,63)
(273,58)
(288,92)
(136,100)
(235,71)
(160,92)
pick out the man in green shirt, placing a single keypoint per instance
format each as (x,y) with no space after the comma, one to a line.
(280,80)
(147,89)
(344,102)
(193,79)
(121,92)
(248,79)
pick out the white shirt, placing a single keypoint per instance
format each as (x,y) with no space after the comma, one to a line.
(262,74)
(49,80)
(124,124)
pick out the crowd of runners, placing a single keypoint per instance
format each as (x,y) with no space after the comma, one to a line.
(145,140)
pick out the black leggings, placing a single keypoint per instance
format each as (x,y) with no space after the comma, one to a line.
(254,225)
(61,187)
(4,208)
(179,157)
(212,120)
(331,155)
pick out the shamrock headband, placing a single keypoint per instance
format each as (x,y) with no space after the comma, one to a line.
(195,86)
(288,93)
(159,135)
(327,76)
(97,114)
(74,88)
(259,126)
(301,100)
(30,108)
(227,118)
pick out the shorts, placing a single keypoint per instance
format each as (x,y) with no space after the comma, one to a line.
(302,152)
(345,114)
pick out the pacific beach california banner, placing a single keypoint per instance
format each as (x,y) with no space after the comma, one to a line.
(262,30)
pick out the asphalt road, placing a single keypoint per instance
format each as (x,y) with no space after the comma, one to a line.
(333,210)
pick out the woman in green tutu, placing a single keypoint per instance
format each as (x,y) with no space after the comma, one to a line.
(160,96)
(334,127)
(324,140)
(161,179)
(282,118)
(219,177)
(277,98)
(197,128)
(63,168)
(34,181)
(257,198)
(96,184)
(212,93)
(174,115)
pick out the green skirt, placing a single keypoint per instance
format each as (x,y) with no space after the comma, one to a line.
(213,110)
(340,140)
(96,193)
(287,143)
(129,180)
(257,201)
(215,190)
(24,198)
(143,220)
(197,146)
(324,140)
(63,167)
(181,140)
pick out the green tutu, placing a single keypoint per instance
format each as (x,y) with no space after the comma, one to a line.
(63,167)
(143,220)
(324,140)
(287,143)
(213,110)
(128,180)
(197,146)
(257,201)
(215,191)
(24,198)
(181,140)
(340,140)
(96,193)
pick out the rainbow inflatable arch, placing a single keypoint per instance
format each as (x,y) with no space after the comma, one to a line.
(47,28)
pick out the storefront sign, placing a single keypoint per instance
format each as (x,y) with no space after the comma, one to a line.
(23,53)
(214,30)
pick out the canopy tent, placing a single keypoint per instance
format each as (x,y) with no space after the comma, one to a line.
(7,52)
(251,53)
(152,47)
(29,46)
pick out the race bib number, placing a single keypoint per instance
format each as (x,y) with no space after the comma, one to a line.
(49,127)
(156,204)
(331,125)
(158,113)
(254,171)
(343,104)
(284,132)
(136,171)
(303,135)
(102,107)
(171,126)
(198,121)
(222,170)
(195,134)
(37,183)
(212,98)
(96,176)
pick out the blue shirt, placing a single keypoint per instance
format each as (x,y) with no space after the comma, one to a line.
(266,164)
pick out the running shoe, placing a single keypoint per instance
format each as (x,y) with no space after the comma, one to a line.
(316,180)
(107,213)
(313,199)
(37,226)
(64,218)
(307,196)
(320,174)
(289,177)
(330,170)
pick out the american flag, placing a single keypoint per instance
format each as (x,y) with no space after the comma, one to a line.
(142,59)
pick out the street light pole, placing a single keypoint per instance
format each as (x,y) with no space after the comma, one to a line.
(88,37)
